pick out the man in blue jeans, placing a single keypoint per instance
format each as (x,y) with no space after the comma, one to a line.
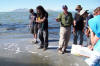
(42,20)
(78,26)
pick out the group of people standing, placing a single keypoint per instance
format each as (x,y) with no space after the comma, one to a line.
(83,23)
(79,22)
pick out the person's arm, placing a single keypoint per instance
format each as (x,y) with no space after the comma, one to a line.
(58,19)
(41,20)
(83,27)
(30,21)
(94,38)
(74,23)
(87,32)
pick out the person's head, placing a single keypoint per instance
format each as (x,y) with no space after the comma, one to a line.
(97,11)
(40,10)
(84,13)
(31,11)
(78,8)
(65,8)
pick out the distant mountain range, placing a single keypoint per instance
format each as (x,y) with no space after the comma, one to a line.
(48,10)
(26,10)
(21,10)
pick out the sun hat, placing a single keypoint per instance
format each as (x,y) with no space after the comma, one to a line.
(78,7)
(83,12)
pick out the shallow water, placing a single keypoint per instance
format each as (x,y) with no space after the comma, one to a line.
(25,60)
(16,47)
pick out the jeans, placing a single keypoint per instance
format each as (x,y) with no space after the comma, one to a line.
(76,35)
(43,36)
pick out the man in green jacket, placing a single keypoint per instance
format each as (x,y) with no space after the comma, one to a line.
(66,20)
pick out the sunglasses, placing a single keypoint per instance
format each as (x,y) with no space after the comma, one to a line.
(78,9)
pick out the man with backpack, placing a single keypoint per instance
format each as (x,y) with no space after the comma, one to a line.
(66,20)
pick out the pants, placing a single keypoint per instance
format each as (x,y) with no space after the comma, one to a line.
(65,33)
(43,36)
(76,34)
(34,29)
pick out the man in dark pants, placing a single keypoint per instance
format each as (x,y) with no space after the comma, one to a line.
(42,19)
(43,36)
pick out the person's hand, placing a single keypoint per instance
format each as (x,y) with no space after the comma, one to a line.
(29,26)
(73,30)
(74,23)
(90,47)
(57,19)
(83,30)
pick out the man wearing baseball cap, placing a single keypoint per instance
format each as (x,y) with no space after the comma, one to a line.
(65,18)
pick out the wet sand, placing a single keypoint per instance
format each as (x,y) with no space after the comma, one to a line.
(18,50)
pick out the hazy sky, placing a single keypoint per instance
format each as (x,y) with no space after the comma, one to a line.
(9,5)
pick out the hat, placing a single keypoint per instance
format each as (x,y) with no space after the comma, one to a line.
(64,6)
(78,7)
(83,12)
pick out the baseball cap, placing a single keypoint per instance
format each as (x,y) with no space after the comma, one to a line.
(64,6)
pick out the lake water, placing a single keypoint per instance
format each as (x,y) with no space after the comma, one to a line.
(17,23)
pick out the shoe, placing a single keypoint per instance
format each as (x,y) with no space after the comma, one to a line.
(60,51)
(41,47)
(44,49)
(35,42)
(65,51)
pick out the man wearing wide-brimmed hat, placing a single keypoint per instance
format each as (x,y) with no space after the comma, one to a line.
(78,26)
(78,7)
